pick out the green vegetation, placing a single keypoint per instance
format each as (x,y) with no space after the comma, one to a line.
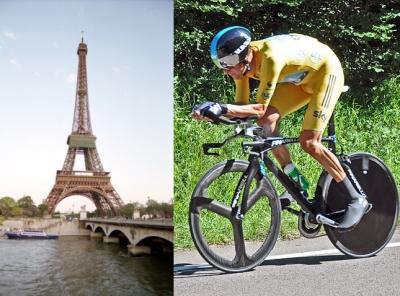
(152,208)
(23,207)
(371,128)
(367,117)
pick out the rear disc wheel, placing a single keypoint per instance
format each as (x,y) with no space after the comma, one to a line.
(377,226)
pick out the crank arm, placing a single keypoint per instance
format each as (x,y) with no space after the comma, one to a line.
(326,221)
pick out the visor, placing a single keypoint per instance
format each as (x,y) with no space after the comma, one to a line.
(229,61)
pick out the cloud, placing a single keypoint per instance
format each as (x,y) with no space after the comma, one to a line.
(14,62)
(116,69)
(10,35)
(36,74)
(71,78)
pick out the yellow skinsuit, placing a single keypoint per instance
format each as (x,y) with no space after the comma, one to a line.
(295,70)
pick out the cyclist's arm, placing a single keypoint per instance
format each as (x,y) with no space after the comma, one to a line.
(242,91)
(270,70)
(246,110)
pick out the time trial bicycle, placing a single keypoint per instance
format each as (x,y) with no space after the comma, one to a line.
(237,200)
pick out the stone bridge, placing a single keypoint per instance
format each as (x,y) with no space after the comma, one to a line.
(140,236)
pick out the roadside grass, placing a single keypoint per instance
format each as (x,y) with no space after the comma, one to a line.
(373,126)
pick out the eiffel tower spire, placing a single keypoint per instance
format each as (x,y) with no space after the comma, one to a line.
(81,123)
(82,139)
(94,182)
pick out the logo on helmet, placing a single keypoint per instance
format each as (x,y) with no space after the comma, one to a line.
(244,45)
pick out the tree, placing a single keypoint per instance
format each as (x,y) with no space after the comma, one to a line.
(153,208)
(43,209)
(25,202)
(166,210)
(364,35)
(28,207)
(127,210)
(8,207)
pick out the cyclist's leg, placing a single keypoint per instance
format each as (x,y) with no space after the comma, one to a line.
(328,87)
(286,99)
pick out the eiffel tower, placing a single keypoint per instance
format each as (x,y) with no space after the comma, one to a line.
(93,183)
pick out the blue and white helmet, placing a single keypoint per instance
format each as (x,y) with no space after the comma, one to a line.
(230,46)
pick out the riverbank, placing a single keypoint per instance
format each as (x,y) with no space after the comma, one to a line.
(59,226)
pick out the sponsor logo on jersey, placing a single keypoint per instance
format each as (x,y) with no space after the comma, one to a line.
(315,57)
(320,115)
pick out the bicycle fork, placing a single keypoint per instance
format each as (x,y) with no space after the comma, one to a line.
(243,189)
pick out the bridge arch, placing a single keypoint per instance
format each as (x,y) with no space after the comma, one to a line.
(156,244)
(123,236)
(100,228)
(141,239)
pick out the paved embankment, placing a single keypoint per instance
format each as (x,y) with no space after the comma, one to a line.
(59,226)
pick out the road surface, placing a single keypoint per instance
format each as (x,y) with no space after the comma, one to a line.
(297,267)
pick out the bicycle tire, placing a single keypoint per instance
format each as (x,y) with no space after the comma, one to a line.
(242,253)
(377,226)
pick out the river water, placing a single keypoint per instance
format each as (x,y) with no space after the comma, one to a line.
(80,266)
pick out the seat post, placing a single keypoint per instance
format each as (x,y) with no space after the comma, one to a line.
(332,133)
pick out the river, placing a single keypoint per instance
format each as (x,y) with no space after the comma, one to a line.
(80,266)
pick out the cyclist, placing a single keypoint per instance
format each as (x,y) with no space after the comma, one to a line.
(294,70)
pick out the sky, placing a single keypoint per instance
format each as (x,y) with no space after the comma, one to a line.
(130,74)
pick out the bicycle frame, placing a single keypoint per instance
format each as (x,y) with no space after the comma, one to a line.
(292,187)
(258,150)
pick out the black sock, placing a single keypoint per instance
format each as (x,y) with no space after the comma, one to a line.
(348,187)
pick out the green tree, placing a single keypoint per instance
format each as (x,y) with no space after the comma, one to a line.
(25,202)
(43,210)
(8,207)
(166,210)
(153,208)
(364,35)
(127,210)
(28,207)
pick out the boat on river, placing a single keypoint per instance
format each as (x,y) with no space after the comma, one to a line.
(30,234)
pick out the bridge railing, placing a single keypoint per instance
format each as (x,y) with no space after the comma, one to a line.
(155,223)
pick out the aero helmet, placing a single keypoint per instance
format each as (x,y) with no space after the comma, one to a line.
(230,46)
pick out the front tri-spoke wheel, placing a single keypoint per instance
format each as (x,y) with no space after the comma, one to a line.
(228,242)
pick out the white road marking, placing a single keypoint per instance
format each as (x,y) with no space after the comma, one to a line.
(276,257)
(317,253)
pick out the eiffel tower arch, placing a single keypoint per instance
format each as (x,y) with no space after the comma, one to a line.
(93,182)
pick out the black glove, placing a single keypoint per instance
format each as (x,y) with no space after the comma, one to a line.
(211,110)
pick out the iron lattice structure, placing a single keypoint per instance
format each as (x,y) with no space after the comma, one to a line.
(93,183)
